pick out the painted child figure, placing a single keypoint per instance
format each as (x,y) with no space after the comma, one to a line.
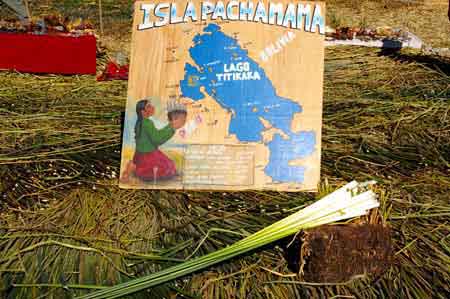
(149,163)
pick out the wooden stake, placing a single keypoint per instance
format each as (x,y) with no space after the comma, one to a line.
(27,8)
(100,15)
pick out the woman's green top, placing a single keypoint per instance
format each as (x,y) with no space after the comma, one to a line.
(150,137)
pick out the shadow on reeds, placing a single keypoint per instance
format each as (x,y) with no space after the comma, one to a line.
(433,62)
(122,125)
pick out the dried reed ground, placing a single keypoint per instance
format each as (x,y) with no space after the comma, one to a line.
(385,118)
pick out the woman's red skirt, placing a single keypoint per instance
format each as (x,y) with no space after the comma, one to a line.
(154,165)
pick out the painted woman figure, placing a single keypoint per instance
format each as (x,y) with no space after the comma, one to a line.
(149,163)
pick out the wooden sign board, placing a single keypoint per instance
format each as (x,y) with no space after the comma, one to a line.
(225,95)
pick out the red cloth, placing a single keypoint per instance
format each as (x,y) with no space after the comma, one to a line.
(56,54)
(114,72)
(154,165)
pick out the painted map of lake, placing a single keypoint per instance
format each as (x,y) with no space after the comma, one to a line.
(228,75)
